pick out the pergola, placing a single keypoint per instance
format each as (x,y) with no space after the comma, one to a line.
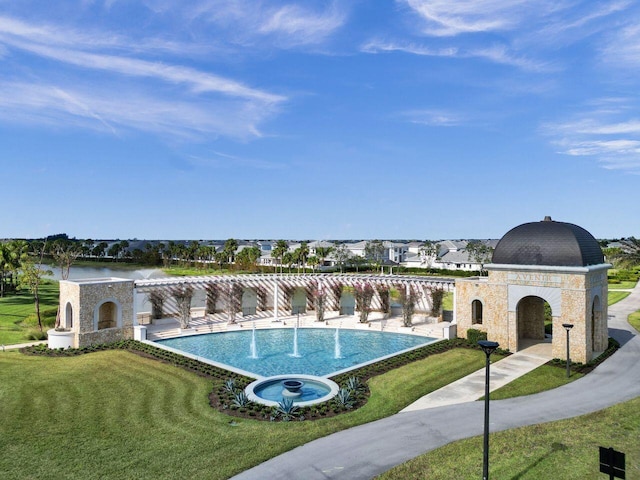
(279,288)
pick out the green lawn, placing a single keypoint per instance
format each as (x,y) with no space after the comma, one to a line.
(565,450)
(114,414)
(634,320)
(545,377)
(622,285)
(615,297)
(447,301)
(17,313)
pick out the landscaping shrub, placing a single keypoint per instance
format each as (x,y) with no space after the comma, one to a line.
(585,368)
(474,336)
(36,334)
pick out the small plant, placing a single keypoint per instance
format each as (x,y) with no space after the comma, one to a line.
(240,399)
(286,409)
(363,294)
(36,335)
(473,335)
(343,398)
(437,295)
(230,385)
(354,384)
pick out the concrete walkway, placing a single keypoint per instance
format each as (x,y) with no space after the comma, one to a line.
(367,450)
(20,345)
(472,386)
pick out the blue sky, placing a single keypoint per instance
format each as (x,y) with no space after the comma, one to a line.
(340,119)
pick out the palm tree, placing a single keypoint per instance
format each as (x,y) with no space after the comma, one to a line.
(124,245)
(87,246)
(288,259)
(313,261)
(279,251)
(323,253)
(230,247)
(192,250)
(303,253)
(114,250)
(248,257)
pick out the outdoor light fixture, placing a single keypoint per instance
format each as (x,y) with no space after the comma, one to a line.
(567,327)
(488,348)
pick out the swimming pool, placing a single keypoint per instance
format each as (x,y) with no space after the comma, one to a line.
(320,351)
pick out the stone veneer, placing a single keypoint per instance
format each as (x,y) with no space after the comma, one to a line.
(85,298)
(512,290)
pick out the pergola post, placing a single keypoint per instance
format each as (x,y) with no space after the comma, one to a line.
(276,292)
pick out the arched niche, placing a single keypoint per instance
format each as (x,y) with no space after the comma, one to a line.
(107,314)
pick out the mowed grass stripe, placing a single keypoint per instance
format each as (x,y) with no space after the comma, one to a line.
(121,403)
(114,414)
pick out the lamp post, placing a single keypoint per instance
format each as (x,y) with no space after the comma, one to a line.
(488,348)
(568,327)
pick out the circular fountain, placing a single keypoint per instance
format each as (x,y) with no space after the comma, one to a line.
(292,388)
(304,390)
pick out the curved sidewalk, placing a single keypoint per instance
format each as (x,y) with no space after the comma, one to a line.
(471,387)
(367,450)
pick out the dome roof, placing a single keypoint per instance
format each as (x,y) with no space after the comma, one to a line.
(548,243)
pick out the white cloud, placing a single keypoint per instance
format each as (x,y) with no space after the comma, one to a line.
(450,18)
(517,33)
(435,118)
(377,46)
(302,26)
(36,39)
(99,109)
(623,47)
(502,55)
(603,147)
(198,81)
(602,134)
(260,23)
(185,101)
(496,53)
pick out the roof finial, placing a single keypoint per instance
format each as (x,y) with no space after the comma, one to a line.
(547,219)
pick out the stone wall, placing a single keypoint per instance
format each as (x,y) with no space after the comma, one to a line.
(513,307)
(85,298)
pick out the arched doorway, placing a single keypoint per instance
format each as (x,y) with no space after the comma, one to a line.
(534,320)
(68,316)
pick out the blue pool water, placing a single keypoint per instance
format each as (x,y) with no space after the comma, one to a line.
(317,349)
(310,391)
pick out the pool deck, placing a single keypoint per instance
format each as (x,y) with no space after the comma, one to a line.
(201,323)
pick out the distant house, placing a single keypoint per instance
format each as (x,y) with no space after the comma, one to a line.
(450,255)
(396,251)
